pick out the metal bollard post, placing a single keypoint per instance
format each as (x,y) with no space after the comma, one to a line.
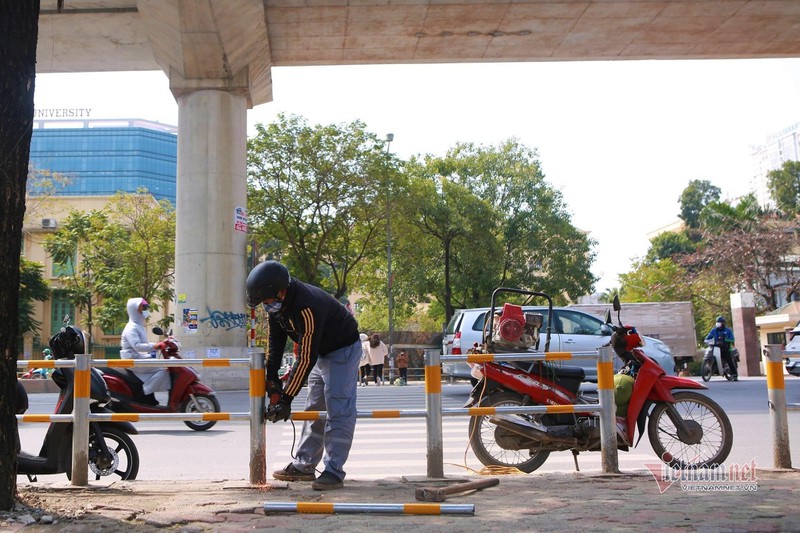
(608,414)
(258,437)
(433,406)
(80,416)
(782,457)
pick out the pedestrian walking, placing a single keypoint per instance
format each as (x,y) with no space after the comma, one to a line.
(364,367)
(402,366)
(377,356)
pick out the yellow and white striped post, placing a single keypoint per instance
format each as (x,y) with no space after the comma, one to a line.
(369,508)
(782,457)
(608,426)
(433,406)
(80,426)
(258,436)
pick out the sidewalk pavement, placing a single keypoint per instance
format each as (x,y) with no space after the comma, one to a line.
(579,501)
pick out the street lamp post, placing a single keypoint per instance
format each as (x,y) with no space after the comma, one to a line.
(389,281)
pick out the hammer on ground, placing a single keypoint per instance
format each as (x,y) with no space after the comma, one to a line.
(435,494)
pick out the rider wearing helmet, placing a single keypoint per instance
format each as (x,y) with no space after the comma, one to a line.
(723,337)
(328,354)
(134,345)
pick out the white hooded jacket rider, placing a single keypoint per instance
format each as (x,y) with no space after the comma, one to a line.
(134,345)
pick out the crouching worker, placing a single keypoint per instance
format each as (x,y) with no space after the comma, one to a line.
(328,355)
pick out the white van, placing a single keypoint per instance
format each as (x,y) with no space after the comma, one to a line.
(573,331)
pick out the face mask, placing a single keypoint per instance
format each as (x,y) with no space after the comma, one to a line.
(145,313)
(719,325)
(273,307)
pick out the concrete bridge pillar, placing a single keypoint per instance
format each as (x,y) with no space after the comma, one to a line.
(210,311)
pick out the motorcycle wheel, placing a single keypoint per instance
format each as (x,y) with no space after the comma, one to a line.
(483,439)
(207,404)
(728,374)
(706,370)
(125,461)
(710,437)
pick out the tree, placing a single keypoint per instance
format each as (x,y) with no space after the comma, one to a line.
(146,255)
(125,250)
(658,281)
(524,236)
(757,257)
(718,217)
(82,233)
(317,197)
(461,224)
(696,195)
(784,187)
(32,287)
(41,188)
(19,27)
(669,244)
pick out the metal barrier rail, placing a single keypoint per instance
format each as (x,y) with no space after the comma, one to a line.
(605,390)
(81,416)
(776,389)
(257,385)
(491,357)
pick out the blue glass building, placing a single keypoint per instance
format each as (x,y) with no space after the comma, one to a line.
(103,157)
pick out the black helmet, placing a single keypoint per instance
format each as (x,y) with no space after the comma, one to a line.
(265,280)
(721,319)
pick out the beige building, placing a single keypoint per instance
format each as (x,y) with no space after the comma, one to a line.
(773,327)
(43,218)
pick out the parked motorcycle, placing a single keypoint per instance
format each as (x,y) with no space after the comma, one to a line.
(111,450)
(186,395)
(686,429)
(712,362)
(38,373)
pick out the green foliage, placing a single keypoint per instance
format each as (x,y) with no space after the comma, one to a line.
(718,217)
(694,198)
(669,244)
(325,199)
(658,281)
(32,287)
(733,247)
(123,251)
(784,187)
(497,222)
(317,197)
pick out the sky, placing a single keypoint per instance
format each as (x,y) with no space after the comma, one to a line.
(620,139)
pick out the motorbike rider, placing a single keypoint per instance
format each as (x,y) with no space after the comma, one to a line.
(134,345)
(723,337)
(328,354)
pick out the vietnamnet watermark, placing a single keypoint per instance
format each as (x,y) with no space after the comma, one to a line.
(731,477)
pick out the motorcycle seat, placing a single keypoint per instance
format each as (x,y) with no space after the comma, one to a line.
(124,374)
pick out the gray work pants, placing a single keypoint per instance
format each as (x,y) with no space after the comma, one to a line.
(332,387)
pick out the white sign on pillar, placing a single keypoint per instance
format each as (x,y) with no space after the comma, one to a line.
(742,300)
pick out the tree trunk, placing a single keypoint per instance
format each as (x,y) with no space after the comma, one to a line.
(19,30)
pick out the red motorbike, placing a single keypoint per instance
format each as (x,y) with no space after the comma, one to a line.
(686,429)
(186,395)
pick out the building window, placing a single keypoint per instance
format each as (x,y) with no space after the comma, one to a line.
(60,306)
(65,269)
(776,338)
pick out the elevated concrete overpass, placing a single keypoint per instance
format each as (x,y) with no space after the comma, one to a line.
(218,55)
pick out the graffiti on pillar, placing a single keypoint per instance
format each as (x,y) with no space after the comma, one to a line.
(227,320)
